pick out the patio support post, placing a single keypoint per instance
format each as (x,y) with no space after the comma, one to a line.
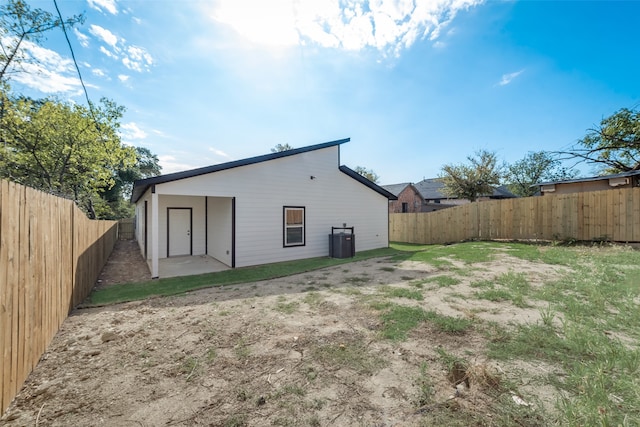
(155,241)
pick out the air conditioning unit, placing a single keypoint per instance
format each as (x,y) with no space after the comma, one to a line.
(615,182)
(548,188)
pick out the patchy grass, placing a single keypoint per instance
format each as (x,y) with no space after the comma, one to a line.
(352,355)
(178,285)
(597,309)
(444,281)
(396,292)
(398,320)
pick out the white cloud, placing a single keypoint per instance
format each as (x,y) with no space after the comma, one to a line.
(137,59)
(108,5)
(132,131)
(170,164)
(508,78)
(83,39)
(103,34)
(98,72)
(123,77)
(386,25)
(107,52)
(219,153)
(45,70)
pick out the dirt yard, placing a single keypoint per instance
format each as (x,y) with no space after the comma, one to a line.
(303,350)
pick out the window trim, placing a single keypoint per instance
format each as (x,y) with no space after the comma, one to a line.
(285,227)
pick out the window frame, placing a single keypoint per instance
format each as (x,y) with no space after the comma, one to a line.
(286,227)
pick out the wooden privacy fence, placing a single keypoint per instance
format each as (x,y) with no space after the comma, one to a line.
(50,257)
(611,215)
(126,229)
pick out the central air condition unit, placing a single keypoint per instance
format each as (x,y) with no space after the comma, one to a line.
(548,188)
(615,182)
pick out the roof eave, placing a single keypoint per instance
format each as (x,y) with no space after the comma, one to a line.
(141,186)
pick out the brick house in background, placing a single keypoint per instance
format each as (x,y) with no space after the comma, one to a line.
(428,196)
(409,198)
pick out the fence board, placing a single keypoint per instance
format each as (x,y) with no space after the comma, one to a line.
(600,215)
(50,256)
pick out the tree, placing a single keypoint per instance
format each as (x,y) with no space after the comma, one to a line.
(19,25)
(280,147)
(470,181)
(116,198)
(535,167)
(367,173)
(614,144)
(63,148)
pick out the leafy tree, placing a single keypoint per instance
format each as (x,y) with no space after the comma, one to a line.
(116,198)
(614,144)
(367,173)
(280,147)
(19,25)
(63,148)
(535,167)
(469,181)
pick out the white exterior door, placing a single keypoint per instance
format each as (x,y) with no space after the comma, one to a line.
(179,232)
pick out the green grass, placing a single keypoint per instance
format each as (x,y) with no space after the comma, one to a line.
(398,320)
(350,355)
(178,285)
(445,281)
(509,286)
(395,292)
(594,342)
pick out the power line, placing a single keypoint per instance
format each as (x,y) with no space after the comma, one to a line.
(73,56)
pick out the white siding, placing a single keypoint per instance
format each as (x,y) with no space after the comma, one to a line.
(263,189)
(219,225)
(140,218)
(198,226)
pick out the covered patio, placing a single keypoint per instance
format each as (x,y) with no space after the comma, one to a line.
(188,265)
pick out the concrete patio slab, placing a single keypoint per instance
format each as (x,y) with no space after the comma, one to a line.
(189,266)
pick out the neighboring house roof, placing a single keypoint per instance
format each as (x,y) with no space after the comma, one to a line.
(396,189)
(433,189)
(142,185)
(591,178)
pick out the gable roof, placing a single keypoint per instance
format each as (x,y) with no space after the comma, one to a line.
(591,178)
(396,189)
(141,186)
(372,185)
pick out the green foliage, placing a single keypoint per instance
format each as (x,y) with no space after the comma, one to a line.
(472,180)
(19,25)
(534,168)
(367,173)
(614,144)
(63,148)
(281,147)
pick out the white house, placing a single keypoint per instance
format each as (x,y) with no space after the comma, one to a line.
(264,209)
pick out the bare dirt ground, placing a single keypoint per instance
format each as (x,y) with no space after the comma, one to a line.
(302,350)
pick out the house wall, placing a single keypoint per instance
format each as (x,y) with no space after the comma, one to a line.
(261,190)
(577,187)
(198,221)
(140,223)
(411,197)
(219,228)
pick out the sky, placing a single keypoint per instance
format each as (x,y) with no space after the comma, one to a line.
(415,84)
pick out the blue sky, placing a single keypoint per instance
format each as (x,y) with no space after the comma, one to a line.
(414,84)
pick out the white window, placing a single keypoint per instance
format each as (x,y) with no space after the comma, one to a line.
(294,226)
